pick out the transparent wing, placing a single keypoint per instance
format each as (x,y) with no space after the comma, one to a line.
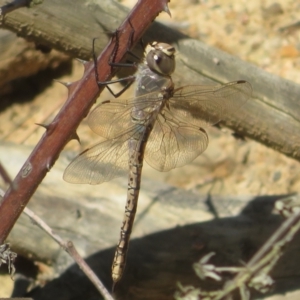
(173,144)
(109,119)
(112,118)
(101,163)
(178,136)
(207,105)
(113,121)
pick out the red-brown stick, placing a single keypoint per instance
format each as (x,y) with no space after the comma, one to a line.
(82,95)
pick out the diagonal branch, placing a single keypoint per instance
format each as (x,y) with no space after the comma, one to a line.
(82,95)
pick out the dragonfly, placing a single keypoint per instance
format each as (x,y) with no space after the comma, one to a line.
(161,124)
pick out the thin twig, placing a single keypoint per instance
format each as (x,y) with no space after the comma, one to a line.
(4,175)
(71,250)
(67,246)
(267,256)
(253,275)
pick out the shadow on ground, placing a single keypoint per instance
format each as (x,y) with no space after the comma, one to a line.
(158,261)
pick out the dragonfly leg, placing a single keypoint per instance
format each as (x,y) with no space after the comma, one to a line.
(129,79)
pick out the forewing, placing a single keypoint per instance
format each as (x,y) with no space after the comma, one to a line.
(100,163)
(202,105)
(112,118)
(173,144)
(109,119)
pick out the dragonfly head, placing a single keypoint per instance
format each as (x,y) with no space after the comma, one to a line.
(160,58)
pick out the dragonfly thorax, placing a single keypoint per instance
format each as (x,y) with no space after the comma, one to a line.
(160,58)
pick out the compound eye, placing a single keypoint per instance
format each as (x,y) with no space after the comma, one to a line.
(161,59)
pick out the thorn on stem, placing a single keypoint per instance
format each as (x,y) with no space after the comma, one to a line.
(42,125)
(75,136)
(81,61)
(66,84)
